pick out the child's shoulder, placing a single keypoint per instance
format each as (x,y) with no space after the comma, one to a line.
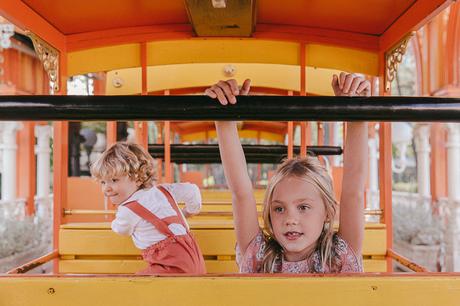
(344,256)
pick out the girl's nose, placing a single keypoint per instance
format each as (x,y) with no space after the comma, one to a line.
(292,219)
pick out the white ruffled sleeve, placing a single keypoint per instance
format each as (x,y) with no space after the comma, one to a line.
(186,193)
(125,221)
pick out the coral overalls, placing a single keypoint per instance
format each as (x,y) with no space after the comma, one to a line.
(175,254)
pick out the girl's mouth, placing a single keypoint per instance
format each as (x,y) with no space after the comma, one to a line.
(291,235)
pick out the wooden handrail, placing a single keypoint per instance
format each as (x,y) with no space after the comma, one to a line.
(34,263)
(406,262)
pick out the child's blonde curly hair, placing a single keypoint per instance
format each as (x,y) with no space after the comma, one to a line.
(129,159)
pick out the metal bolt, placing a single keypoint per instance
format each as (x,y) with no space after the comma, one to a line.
(51,291)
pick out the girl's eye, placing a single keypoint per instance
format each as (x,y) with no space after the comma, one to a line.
(278,209)
(114,180)
(304,207)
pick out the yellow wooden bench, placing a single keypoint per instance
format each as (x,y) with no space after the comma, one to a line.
(93,248)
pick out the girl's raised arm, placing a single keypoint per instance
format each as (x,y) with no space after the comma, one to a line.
(234,163)
(355,165)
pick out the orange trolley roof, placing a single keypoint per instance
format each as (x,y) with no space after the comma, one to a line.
(335,20)
(371,17)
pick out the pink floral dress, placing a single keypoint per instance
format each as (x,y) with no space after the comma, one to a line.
(344,259)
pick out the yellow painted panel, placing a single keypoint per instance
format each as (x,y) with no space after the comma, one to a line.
(284,77)
(212,134)
(106,242)
(128,266)
(374,242)
(103,59)
(211,241)
(231,290)
(209,195)
(163,77)
(344,59)
(375,265)
(222,51)
(95,242)
(319,81)
(102,266)
(216,242)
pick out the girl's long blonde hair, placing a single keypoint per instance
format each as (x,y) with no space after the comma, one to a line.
(310,170)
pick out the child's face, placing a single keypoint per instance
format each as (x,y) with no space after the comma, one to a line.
(118,189)
(297,216)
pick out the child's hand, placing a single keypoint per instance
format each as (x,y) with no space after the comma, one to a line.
(226,91)
(349,84)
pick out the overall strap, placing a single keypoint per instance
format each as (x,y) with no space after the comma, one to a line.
(148,216)
(174,219)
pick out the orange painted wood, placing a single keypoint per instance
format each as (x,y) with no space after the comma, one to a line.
(451,62)
(167,142)
(19,13)
(303,136)
(99,83)
(60,174)
(111,131)
(290,135)
(141,132)
(26,178)
(438,168)
(415,17)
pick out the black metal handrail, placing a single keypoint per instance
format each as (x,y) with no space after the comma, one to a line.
(195,108)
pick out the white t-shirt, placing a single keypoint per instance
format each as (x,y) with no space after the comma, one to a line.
(143,233)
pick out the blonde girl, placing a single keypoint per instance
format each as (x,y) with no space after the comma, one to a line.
(299,205)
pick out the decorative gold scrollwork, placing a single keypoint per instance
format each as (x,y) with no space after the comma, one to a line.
(49,57)
(393,58)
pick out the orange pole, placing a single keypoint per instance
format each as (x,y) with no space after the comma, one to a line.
(167,141)
(144,68)
(303,125)
(159,161)
(111,127)
(290,134)
(385,170)
(60,162)
(303,139)
(141,127)
(438,167)
(26,180)
(290,125)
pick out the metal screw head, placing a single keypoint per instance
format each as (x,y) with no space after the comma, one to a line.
(51,291)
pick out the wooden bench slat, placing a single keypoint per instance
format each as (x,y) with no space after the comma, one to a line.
(128,266)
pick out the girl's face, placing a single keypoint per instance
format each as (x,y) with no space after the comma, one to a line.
(297,217)
(118,189)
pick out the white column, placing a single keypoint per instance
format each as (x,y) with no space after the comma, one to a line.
(43,151)
(9,148)
(423,149)
(453,190)
(453,161)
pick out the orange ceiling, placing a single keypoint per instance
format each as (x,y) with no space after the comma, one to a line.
(360,16)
